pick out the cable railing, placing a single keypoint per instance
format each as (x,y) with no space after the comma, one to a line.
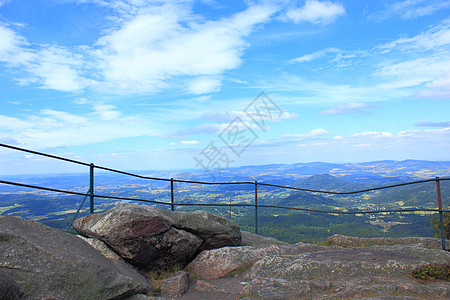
(92,195)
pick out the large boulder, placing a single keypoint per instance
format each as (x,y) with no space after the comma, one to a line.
(154,238)
(50,264)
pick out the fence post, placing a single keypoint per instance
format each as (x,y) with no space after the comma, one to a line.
(91,187)
(256,207)
(171,194)
(441,217)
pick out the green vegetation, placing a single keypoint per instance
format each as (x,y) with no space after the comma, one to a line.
(57,210)
(432,272)
(156,277)
(436,225)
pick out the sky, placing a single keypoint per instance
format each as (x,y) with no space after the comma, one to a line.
(210,85)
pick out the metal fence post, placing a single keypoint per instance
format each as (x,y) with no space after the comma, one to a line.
(256,207)
(91,187)
(171,194)
(441,217)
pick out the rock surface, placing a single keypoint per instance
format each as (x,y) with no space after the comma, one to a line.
(154,238)
(175,286)
(9,289)
(217,263)
(50,264)
(305,271)
(350,241)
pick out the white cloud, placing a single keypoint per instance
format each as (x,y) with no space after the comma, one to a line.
(231,115)
(437,89)
(51,128)
(436,37)
(106,111)
(56,68)
(360,146)
(409,9)
(417,66)
(374,134)
(155,46)
(317,12)
(50,67)
(192,142)
(348,108)
(319,132)
(13,123)
(11,48)
(64,116)
(315,55)
(430,71)
(433,124)
(202,85)
(3,2)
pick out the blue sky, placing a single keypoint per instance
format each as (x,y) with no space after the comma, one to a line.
(135,84)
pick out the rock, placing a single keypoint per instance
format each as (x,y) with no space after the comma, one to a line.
(346,273)
(217,263)
(101,247)
(205,286)
(349,241)
(175,286)
(154,238)
(9,289)
(145,297)
(307,271)
(215,231)
(251,239)
(50,264)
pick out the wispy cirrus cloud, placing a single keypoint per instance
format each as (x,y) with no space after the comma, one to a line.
(417,66)
(49,128)
(3,2)
(348,108)
(315,55)
(231,115)
(433,124)
(48,66)
(409,9)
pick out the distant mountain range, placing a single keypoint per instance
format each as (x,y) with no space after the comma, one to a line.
(56,209)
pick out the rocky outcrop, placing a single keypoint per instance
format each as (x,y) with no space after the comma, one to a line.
(50,264)
(308,271)
(350,241)
(154,238)
(218,263)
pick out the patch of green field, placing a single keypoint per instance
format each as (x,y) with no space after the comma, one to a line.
(6,208)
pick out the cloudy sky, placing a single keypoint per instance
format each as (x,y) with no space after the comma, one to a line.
(135,84)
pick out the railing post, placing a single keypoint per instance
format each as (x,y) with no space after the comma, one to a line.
(171,194)
(91,187)
(441,217)
(256,207)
